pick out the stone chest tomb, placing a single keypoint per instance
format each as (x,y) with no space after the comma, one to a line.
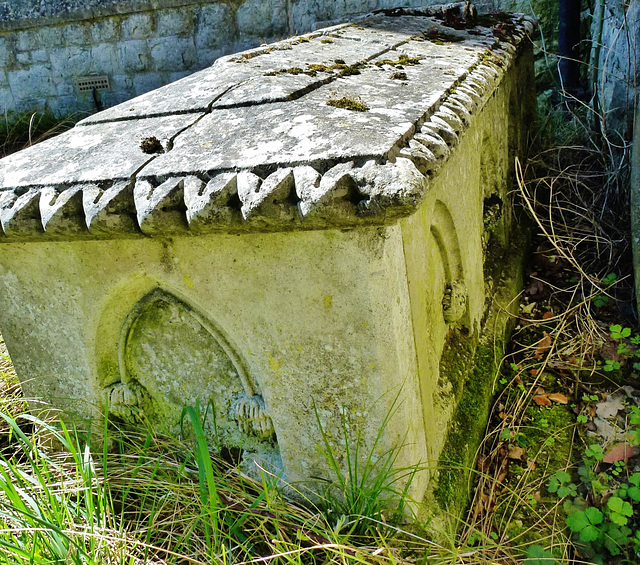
(313,232)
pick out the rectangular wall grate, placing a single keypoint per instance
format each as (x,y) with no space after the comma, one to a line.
(85,84)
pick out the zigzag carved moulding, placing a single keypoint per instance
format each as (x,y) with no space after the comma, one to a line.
(284,194)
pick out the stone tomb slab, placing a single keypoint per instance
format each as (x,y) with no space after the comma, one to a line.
(323,241)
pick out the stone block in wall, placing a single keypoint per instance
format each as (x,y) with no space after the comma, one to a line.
(27,40)
(6,100)
(134,55)
(71,105)
(144,82)
(50,37)
(216,27)
(180,21)
(207,57)
(40,56)
(172,53)
(32,83)
(105,30)
(65,89)
(137,26)
(23,58)
(71,61)
(173,77)
(263,18)
(104,59)
(7,56)
(77,33)
(122,82)
(305,13)
(33,104)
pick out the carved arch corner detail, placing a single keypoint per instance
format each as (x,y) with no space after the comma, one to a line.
(455,294)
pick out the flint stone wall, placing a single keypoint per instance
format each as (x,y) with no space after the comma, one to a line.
(240,239)
(48,48)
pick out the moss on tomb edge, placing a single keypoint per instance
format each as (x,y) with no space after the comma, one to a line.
(471,365)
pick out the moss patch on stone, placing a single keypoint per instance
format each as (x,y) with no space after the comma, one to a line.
(348,104)
(312,70)
(401,60)
(466,430)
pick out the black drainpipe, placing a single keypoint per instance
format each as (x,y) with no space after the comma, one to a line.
(569,45)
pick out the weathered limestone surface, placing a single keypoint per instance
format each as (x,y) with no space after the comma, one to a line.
(234,239)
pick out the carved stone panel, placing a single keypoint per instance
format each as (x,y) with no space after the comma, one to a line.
(171,357)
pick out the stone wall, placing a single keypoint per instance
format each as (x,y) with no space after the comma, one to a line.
(617,30)
(50,51)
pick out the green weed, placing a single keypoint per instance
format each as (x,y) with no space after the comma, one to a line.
(371,491)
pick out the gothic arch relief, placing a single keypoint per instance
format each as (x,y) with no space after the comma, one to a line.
(171,357)
(454,296)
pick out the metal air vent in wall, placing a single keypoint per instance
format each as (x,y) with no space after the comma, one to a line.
(85,84)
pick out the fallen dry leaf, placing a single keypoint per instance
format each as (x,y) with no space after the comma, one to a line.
(542,346)
(531,465)
(620,452)
(547,315)
(611,406)
(542,400)
(608,431)
(558,397)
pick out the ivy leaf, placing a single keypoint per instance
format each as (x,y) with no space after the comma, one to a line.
(537,555)
(616,504)
(616,537)
(619,510)
(634,494)
(595,451)
(585,523)
(635,479)
(567,490)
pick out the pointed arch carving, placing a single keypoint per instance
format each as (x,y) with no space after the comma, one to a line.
(443,231)
(171,356)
